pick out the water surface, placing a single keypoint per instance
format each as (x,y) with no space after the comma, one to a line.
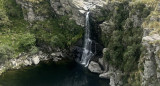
(52,74)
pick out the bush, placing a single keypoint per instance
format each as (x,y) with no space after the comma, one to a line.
(26,42)
(33,50)
(131,57)
(57,32)
(58,41)
(124,43)
(6,52)
(13,9)
(3,18)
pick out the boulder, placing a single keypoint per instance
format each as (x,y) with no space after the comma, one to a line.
(105,75)
(27,62)
(95,67)
(35,60)
(115,77)
(56,59)
(57,54)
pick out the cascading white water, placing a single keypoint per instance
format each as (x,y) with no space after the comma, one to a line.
(87,52)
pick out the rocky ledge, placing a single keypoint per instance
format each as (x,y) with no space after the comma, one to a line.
(151,60)
(106,71)
(27,60)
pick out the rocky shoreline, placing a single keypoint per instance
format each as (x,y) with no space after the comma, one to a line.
(27,60)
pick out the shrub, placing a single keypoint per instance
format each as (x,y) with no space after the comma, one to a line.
(57,32)
(58,41)
(124,42)
(13,9)
(26,41)
(3,18)
(6,52)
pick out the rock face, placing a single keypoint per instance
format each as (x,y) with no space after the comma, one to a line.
(107,28)
(75,8)
(29,11)
(151,54)
(151,73)
(151,43)
(114,76)
(111,73)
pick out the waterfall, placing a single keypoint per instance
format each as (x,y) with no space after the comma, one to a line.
(87,52)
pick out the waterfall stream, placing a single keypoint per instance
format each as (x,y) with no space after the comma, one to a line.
(87,50)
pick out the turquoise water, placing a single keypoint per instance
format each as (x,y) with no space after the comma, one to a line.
(52,74)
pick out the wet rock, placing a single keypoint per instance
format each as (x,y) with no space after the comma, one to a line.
(57,54)
(56,59)
(94,67)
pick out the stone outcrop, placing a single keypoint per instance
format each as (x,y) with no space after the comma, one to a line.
(110,72)
(29,11)
(94,67)
(75,8)
(27,60)
(151,53)
(150,76)
(107,28)
(151,73)
(114,75)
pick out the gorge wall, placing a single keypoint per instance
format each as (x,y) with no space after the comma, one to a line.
(128,31)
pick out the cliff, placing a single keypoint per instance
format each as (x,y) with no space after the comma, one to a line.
(128,30)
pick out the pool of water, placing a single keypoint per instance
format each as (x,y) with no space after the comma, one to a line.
(52,74)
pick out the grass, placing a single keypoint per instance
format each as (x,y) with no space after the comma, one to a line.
(154,25)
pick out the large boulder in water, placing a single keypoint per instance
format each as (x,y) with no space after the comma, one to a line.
(95,67)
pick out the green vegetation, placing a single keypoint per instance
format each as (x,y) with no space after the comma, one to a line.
(58,32)
(34,1)
(18,36)
(4,19)
(155,24)
(150,3)
(13,10)
(5,53)
(124,42)
(42,8)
